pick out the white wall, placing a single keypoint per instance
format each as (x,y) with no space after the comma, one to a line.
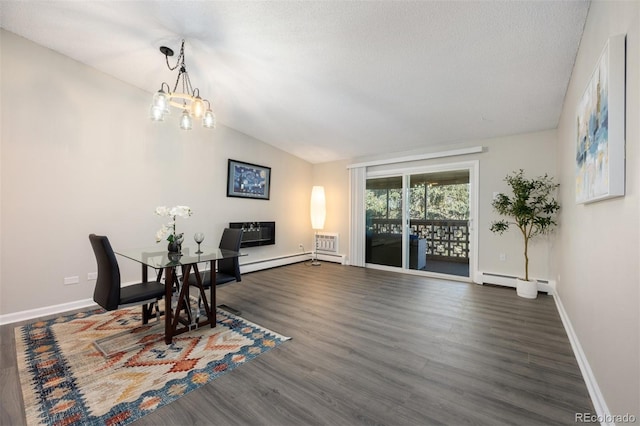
(531,152)
(80,156)
(334,177)
(598,274)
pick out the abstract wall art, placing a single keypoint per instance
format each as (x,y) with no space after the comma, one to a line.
(600,145)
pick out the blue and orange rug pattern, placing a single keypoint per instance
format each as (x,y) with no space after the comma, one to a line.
(66,381)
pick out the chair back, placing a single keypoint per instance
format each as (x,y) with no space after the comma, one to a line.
(231,239)
(107,290)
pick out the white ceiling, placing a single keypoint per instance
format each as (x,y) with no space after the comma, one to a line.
(328,80)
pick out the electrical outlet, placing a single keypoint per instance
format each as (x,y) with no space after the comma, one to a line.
(92,276)
(71,280)
(300,246)
(503,257)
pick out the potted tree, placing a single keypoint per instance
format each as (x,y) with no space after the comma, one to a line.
(532,209)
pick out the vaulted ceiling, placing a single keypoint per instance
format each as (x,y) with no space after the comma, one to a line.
(328,80)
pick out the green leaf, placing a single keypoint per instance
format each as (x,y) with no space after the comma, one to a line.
(531,206)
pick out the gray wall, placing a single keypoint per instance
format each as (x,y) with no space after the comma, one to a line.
(80,156)
(531,152)
(598,275)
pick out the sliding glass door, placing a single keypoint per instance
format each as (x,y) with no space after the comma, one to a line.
(421,220)
(384,212)
(439,222)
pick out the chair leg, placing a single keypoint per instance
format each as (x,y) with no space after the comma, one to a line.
(146,312)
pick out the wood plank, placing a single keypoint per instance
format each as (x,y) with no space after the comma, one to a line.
(378,347)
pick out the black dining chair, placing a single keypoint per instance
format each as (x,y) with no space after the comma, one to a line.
(228,270)
(108,292)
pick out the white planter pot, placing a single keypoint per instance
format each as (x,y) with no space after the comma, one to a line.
(527,289)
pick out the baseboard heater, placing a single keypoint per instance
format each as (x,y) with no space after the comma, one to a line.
(331,257)
(273,262)
(546,286)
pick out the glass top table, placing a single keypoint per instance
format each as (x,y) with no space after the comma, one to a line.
(159,259)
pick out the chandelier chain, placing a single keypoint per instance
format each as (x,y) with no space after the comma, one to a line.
(179,59)
(175,86)
(189,87)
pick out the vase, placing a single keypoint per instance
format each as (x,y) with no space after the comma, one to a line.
(173,247)
(173,256)
(527,289)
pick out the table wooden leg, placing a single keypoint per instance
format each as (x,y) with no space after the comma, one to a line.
(214,310)
(202,293)
(145,274)
(183,299)
(168,289)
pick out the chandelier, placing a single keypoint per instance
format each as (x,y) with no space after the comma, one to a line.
(189,100)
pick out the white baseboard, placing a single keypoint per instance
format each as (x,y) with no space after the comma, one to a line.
(47,310)
(273,262)
(333,257)
(79,304)
(288,260)
(546,286)
(592,385)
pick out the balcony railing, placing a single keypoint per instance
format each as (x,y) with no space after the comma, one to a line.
(446,239)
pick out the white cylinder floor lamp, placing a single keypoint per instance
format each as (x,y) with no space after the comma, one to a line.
(318,215)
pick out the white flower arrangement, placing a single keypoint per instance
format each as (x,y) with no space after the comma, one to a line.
(169,229)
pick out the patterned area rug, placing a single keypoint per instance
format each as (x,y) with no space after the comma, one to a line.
(67,381)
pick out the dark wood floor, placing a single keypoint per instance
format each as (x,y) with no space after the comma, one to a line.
(377,348)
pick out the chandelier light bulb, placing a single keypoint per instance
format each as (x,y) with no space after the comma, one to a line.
(186,123)
(161,101)
(197,107)
(156,114)
(209,120)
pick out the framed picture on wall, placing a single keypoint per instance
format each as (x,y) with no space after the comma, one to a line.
(600,145)
(246,180)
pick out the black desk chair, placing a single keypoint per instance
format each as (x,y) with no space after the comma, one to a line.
(111,296)
(228,269)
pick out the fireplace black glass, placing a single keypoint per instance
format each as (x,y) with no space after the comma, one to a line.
(256,233)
